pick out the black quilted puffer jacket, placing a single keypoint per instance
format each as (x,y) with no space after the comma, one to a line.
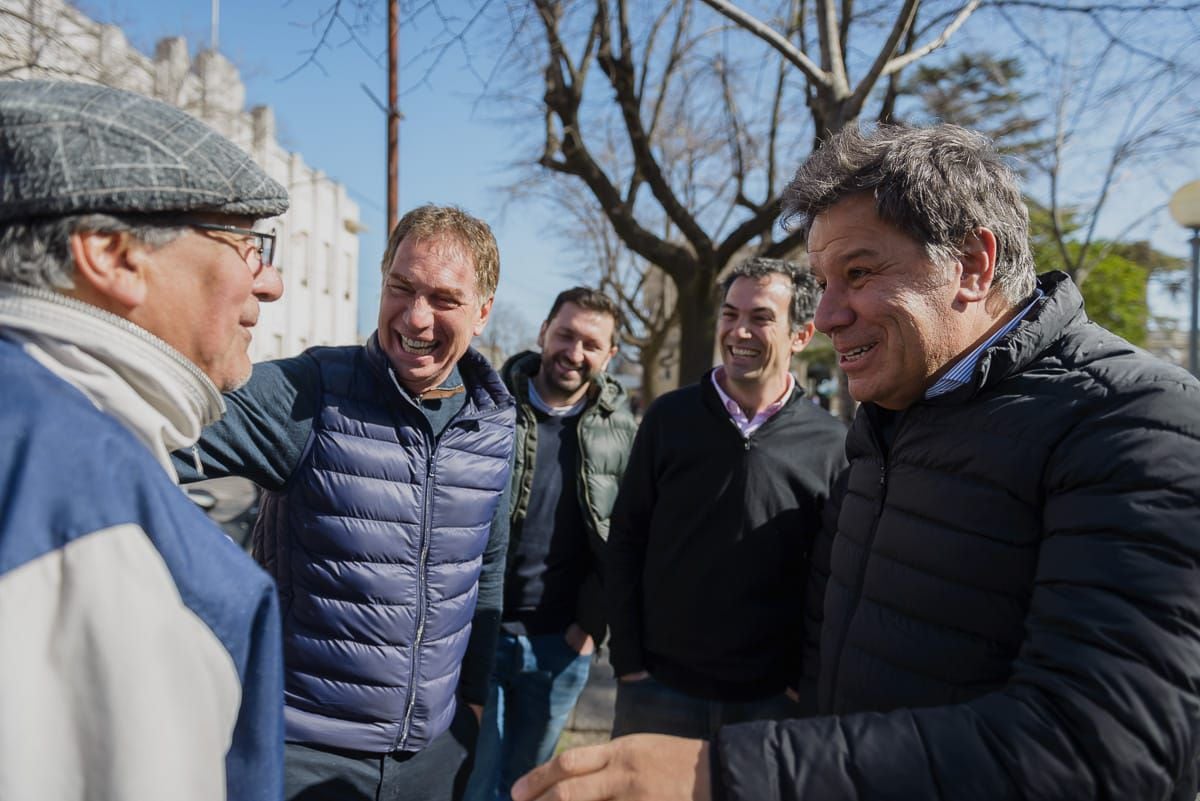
(1012,600)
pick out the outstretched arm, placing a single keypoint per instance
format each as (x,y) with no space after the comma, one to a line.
(266,425)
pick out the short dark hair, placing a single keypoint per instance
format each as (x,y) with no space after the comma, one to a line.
(591,300)
(803,304)
(938,185)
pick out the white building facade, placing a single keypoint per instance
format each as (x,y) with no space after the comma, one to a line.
(317,242)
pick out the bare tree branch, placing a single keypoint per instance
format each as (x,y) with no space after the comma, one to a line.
(620,75)
(925,49)
(900,28)
(769,35)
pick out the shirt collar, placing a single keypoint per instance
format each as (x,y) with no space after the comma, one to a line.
(749,426)
(962,370)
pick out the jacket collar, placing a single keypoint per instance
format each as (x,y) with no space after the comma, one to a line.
(605,392)
(485,390)
(1059,308)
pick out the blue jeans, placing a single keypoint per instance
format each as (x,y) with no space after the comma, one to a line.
(535,684)
(650,707)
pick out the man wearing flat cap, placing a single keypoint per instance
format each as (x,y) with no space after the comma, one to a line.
(139,648)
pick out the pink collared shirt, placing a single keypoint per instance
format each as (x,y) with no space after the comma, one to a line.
(749,426)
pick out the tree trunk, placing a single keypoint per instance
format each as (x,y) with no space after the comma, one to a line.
(652,372)
(697,325)
(846,405)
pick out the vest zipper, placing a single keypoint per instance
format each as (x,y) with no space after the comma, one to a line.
(423,609)
(422,561)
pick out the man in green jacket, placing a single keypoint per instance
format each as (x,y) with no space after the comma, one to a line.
(574,431)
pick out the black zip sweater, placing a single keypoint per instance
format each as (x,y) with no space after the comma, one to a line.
(708,551)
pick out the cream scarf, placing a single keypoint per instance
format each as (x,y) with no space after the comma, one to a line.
(126,371)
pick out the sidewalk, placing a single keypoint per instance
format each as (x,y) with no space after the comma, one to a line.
(591,721)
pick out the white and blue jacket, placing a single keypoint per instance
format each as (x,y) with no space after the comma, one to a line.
(139,648)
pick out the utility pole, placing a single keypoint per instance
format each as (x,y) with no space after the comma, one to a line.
(393,114)
(216,24)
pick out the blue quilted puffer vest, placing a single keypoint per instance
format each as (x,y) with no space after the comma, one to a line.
(376,544)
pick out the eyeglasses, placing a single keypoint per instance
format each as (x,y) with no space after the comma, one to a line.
(264,244)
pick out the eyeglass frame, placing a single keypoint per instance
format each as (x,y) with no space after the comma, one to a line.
(265,247)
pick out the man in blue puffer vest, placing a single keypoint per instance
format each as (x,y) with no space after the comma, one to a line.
(139,647)
(384,522)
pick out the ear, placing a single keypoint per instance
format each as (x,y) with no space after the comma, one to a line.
(801,338)
(484,311)
(110,270)
(611,352)
(541,340)
(978,261)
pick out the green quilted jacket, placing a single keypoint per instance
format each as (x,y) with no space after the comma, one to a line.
(606,431)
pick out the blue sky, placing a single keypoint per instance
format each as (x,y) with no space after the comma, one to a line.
(450,151)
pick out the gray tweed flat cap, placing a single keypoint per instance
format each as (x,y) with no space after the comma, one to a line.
(72,148)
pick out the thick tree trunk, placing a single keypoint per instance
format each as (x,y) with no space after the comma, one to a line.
(653,381)
(846,404)
(697,325)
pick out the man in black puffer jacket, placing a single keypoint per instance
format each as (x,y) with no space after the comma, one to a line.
(1011,607)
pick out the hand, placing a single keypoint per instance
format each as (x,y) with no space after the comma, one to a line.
(477,711)
(640,767)
(629,678)
(579,640)
(792,695)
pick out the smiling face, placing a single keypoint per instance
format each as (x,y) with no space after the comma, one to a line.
(755,333)
(576,345)
(429,310)
(894,316)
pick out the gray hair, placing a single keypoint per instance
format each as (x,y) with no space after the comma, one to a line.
(938,185)
(37,253)
(803,304)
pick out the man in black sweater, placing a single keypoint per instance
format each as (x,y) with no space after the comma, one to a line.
(711,532)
